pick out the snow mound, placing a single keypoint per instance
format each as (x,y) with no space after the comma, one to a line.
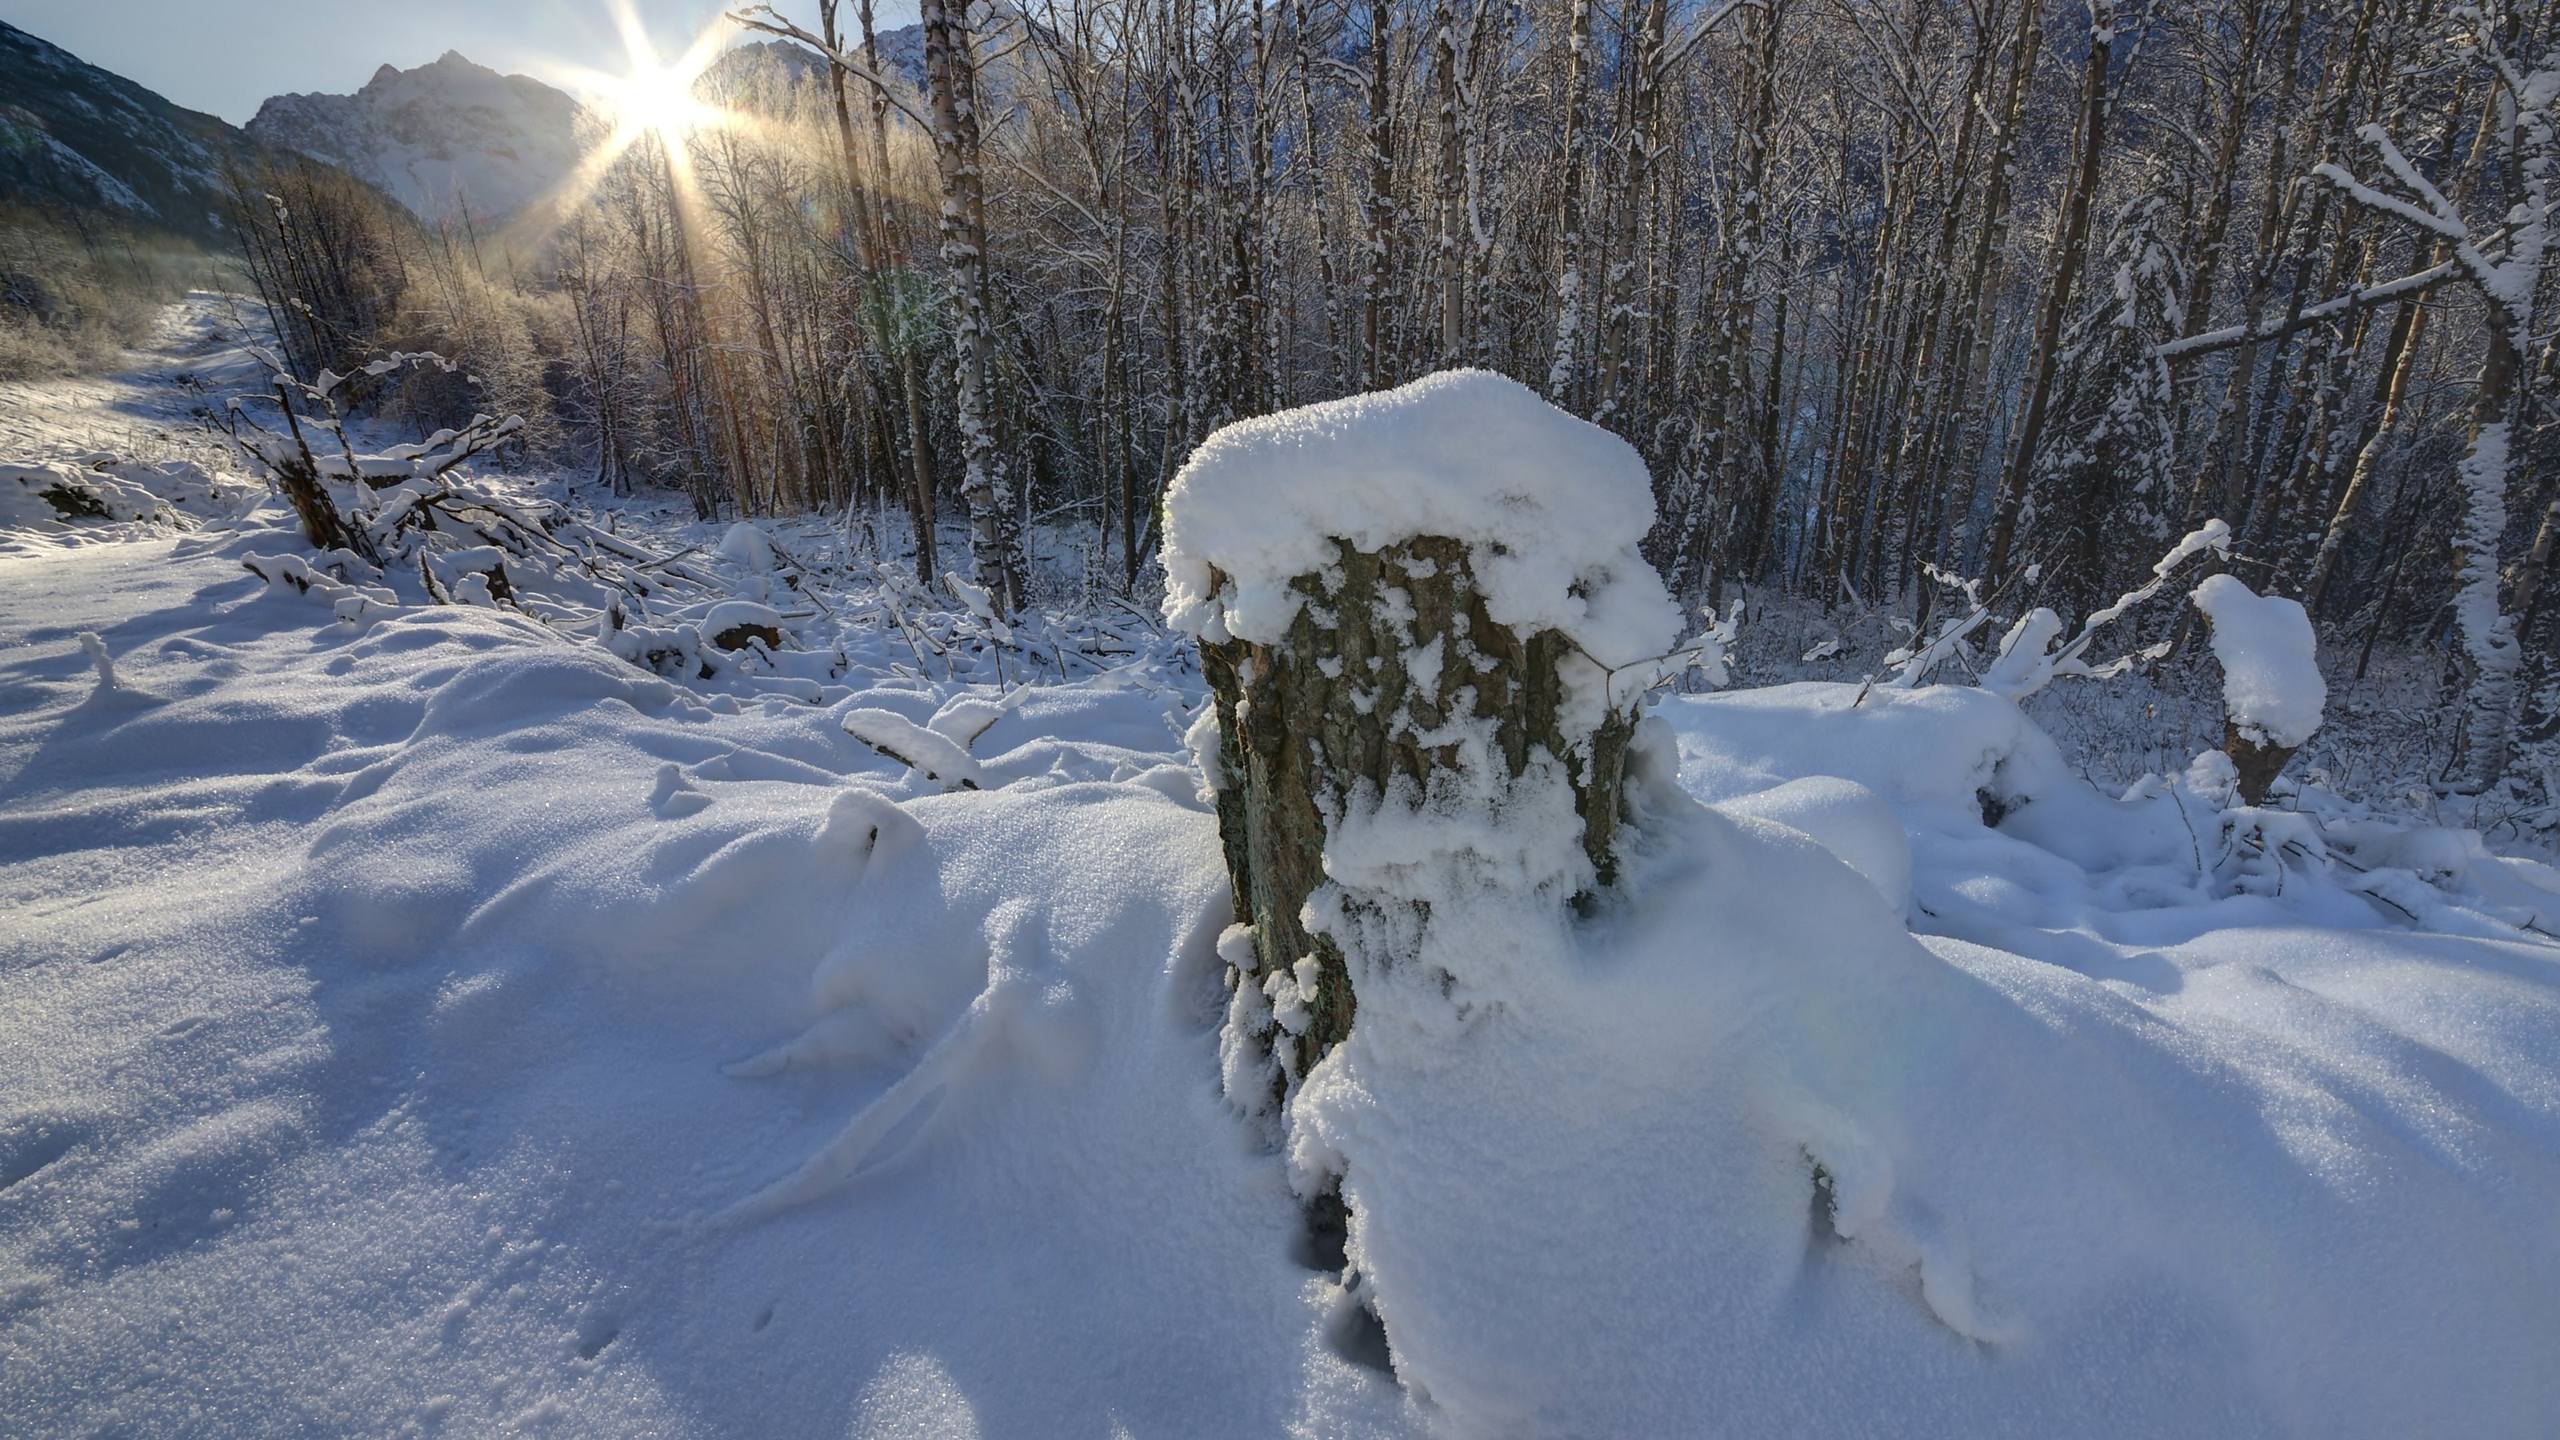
(1463,454)
(1749,1156)
(2271,685)
(1740,1152)
(1940,747)
(52,496)
(1846,818)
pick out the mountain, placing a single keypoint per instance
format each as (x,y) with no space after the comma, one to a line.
(75,136)
(752,64)
(438,137)
(747,74)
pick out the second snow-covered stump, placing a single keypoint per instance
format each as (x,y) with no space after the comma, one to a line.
(1426,628)
(2272,690)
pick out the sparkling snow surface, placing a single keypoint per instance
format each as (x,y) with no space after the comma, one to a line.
(438,1024)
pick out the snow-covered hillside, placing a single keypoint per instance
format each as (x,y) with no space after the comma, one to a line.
(438,137)
(432,1019)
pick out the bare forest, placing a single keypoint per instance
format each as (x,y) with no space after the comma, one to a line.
(1888,294)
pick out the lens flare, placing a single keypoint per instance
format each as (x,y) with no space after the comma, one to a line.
(650,99)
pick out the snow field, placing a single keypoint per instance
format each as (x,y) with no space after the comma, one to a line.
(381,1087)
(433,1021)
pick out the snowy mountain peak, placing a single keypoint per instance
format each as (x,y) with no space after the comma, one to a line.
(441,138)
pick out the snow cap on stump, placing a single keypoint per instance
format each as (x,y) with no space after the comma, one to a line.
(1550,507)
(2271,686)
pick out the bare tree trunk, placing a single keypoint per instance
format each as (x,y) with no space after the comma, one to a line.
(2071,255)
(2400,357)
(1565,359)
(995,542)
(1378,212)
(1968,428)
(1449,185)
(1736,306)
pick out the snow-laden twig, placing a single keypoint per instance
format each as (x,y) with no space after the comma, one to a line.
(2028,660)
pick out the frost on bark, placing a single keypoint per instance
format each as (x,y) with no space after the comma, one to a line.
(2506,279)
(1342,712)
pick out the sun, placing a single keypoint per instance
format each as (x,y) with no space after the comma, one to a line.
(650,98)
(658,99)
(652,95)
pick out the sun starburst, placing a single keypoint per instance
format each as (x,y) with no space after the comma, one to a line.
(653,98)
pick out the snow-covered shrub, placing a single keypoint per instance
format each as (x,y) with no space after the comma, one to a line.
(2030,659)
(500,338)
(73,295)
(2033,653)
(330,581)
(100,487)
(410,524)
(1709,654)
(1912,664)
(48,493)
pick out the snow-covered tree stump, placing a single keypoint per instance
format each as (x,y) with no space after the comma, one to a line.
(1426,630)
(2272,690)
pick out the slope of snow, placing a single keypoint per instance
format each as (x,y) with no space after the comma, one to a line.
(436,1021)
(391,1060)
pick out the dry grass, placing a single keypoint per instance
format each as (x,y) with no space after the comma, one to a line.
(76,291)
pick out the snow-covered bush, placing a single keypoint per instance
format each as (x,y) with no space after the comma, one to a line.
(329,485)
(2034,653)
(47,493)
(2029,659)
(99,487)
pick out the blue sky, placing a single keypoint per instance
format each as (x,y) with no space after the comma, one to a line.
(227,55)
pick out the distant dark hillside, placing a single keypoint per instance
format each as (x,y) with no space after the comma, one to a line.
(75,137)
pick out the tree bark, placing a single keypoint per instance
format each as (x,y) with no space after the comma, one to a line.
(995,542)
(1305,731)
(2071,256)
